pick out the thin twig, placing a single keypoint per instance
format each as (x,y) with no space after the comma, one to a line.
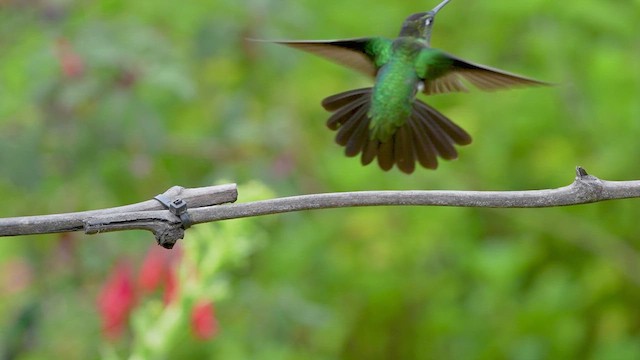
(585,189)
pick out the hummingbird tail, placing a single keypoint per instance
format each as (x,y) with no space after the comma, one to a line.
(426,135)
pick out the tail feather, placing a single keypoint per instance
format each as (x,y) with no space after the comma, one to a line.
(425,150)
(425,135)
(345,113)
(455,132)
(386,156)
(370,150)
(442,141)
(335,102)
(404,150)
(359,138)
(346,131)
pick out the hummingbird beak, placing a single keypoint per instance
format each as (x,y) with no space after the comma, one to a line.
(439,7)
(429,21)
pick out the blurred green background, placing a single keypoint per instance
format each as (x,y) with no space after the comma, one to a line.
(109,102)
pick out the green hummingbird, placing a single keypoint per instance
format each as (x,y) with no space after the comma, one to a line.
(387,121)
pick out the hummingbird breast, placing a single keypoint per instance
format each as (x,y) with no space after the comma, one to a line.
(393,94)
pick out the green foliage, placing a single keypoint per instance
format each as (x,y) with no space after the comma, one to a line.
(110,102)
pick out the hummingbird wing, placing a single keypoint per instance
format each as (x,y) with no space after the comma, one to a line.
(448,78)
(365,55)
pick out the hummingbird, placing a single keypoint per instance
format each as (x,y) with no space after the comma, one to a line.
(387,122)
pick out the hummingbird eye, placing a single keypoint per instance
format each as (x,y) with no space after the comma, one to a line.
(428,21)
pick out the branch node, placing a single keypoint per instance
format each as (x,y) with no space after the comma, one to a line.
(588,187)
(167,236)
(581,172)
(166,226)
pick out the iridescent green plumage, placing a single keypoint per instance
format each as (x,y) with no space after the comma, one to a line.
(386,121)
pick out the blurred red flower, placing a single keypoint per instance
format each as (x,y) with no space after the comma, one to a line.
(116,300)
(154,269)
(159,269)
(71,64)
(171,287)
(203,321)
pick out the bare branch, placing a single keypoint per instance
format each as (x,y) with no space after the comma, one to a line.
(204,206)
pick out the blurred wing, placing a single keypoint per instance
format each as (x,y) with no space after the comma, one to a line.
(483,77)
(353,53)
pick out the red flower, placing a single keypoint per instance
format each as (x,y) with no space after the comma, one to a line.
(154,269)
(159,269)
(171,287)
(116,300)
(203,321)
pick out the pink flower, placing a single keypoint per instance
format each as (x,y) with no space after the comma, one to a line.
(116,300)
(204,324)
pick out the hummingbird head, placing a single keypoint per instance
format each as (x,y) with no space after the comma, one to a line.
(420,24)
